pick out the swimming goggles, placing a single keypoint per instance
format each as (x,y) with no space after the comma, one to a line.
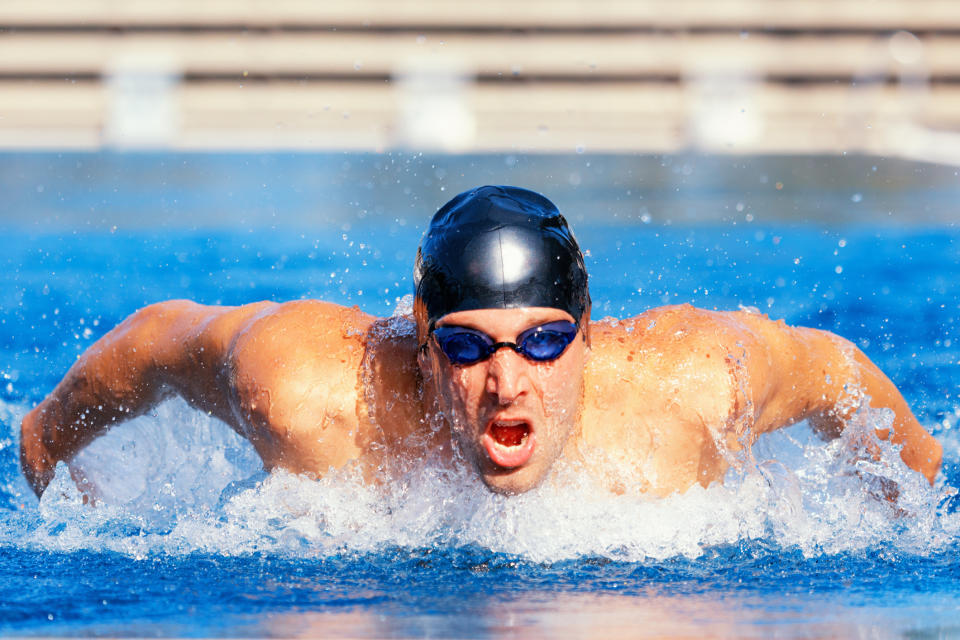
(542,343)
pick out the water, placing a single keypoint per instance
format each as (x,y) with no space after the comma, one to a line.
(192,539)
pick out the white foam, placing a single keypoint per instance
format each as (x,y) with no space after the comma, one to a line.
(177,481)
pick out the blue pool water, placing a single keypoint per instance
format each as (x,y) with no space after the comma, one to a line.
(193,539)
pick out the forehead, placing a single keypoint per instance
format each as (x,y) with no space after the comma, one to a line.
(507,321)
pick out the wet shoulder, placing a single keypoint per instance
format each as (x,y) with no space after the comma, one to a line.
(300,325)
(679,355)
(660,327)
(296,344)
(680,327)
(694,356)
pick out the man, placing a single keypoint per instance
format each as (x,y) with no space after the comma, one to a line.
(499,368)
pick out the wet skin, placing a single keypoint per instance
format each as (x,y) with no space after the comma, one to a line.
(655,403)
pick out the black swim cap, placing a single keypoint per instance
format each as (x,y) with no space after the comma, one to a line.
(499,248)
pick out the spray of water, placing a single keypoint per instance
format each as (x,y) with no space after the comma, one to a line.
(177,481)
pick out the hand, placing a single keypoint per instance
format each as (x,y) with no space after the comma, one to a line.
(36,462)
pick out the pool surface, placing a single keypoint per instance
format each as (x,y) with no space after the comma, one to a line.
(192,538)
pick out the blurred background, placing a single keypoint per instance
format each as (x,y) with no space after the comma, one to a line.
(594,102)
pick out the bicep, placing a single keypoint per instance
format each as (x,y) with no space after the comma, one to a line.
(805,374)
(199,364)
(150,354)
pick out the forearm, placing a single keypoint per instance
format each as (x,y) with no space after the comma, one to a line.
(48,437)
(919,450)
(857,382)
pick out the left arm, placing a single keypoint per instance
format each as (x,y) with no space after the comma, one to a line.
(818,376)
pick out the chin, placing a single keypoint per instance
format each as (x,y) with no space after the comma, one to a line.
(512,482)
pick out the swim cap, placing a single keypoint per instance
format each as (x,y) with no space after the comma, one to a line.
(499,248)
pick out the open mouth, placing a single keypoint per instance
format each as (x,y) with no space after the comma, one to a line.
(509,443)
(510,435)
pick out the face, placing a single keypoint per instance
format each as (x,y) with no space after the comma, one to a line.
(511,416)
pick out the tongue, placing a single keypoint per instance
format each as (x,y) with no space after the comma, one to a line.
(509,435)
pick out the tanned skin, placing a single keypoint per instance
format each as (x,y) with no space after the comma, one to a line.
(673,395)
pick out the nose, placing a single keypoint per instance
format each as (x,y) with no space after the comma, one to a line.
(507,375)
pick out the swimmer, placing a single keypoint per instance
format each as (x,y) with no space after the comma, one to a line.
(499,368)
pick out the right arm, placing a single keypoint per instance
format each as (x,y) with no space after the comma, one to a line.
(170,347)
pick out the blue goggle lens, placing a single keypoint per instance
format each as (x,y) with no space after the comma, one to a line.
(541,344)
(462,347)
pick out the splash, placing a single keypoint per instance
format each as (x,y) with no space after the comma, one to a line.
(177,481)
